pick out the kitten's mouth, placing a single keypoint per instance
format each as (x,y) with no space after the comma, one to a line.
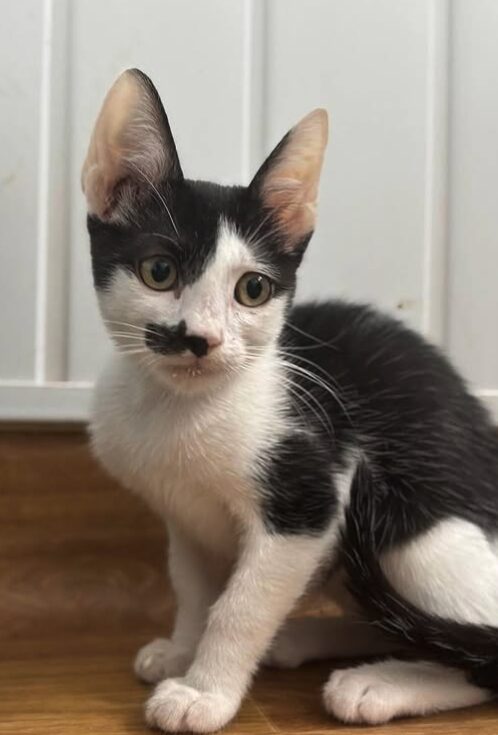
(191,368)
(187,372)
(195,369)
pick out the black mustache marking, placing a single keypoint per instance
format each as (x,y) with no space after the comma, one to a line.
(173,340)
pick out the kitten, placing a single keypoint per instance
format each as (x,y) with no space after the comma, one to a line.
(288,448)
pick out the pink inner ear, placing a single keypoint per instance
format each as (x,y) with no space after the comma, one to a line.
(127,142)
(103,166)
(290,187)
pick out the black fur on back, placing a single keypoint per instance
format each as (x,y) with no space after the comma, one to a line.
(428,452)
(397,400)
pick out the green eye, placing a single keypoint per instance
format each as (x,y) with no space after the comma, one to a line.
(158,272)
(253,289)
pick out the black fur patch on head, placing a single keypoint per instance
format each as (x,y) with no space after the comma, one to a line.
(182,220)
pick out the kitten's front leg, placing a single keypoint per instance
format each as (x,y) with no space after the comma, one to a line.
(270,576)
(196,585)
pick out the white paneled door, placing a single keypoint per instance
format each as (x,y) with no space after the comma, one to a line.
(408,217)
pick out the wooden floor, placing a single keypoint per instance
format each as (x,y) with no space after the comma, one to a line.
(82,567)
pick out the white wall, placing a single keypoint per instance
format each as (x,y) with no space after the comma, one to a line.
(408,217)
(472,334)
(22,27)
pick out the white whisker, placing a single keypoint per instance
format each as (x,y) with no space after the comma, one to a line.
(319,342)
(165,237)
(159,195)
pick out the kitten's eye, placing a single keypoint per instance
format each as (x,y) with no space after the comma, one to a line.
(158,272)
(253,289)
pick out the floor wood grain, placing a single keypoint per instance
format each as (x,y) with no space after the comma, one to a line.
(82,585)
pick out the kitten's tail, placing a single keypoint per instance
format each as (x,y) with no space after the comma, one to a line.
(473,648)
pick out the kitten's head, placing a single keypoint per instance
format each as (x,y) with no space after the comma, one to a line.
(194,279)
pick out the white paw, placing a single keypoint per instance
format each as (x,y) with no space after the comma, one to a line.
(359,695)
(176,706)
(161,659)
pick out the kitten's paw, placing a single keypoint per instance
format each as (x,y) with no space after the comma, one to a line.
(359,695)
(376,693)
(176,706)
(161,659)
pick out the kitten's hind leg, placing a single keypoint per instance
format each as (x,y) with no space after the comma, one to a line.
(315,639)
(379,692)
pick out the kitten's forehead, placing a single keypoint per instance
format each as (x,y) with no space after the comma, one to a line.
(233,251)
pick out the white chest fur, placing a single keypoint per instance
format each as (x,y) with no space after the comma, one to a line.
(191,458)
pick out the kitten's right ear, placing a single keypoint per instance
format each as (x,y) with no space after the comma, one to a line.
(287,182)
(131,149)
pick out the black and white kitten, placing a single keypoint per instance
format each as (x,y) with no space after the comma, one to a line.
(288,449)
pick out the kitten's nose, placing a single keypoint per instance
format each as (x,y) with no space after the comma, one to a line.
(201,344)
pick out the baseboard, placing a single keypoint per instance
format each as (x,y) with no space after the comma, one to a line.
(61,402)
(490,398)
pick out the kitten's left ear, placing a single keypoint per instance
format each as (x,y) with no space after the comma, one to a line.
(287,182)
(131,149)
